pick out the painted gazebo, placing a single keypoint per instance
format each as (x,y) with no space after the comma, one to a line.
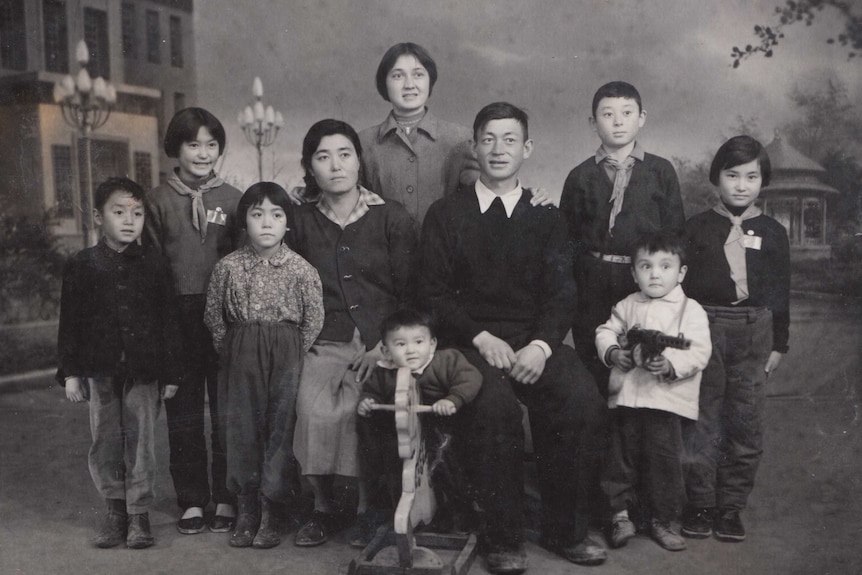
(797,197)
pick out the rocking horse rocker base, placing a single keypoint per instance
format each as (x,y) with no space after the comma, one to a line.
(399,550)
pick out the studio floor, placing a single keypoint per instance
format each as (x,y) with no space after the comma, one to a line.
(804,517)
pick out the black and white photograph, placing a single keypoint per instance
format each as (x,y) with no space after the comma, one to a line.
(409,287)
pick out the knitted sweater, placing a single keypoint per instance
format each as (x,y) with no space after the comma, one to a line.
(448,376)
(169,228)
(478,278)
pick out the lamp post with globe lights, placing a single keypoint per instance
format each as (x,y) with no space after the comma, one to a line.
(86,104)
(260,124)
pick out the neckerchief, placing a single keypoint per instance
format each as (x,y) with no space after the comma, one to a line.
(623,172)
(734,247)
(199,212)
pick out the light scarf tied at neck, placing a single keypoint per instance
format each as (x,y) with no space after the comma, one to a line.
(623,172)
(199,211)
(734,247)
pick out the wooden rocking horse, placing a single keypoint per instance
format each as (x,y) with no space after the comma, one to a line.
(400,550)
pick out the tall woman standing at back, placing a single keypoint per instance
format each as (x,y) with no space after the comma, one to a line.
(413,156)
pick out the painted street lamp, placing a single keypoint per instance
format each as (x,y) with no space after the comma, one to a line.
(86,105)
(260,125)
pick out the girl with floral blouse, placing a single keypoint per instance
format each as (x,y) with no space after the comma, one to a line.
(264,309)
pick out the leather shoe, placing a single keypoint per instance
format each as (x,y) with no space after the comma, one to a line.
(139,536)
(509,560)
(585,552)
(113,530)
(314,532)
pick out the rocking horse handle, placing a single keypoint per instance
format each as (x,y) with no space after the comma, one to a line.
(393,407)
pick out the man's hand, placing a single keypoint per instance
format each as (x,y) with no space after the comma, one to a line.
(529,364)
(773,361)
(444,407)
(297,195)
(364,363)
(74,390)
(495,351)
(365,407)
(541,197)
(169,391)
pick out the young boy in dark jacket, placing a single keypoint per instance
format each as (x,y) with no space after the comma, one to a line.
(118,338)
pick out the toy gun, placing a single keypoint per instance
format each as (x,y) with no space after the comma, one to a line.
(649,343)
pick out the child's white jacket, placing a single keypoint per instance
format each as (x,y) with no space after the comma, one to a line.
(673,314)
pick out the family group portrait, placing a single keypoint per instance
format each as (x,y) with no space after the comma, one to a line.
(418,288)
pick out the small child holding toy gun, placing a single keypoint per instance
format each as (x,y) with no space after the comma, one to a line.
(654,383)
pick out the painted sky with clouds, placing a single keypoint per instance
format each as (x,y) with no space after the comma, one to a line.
(317,59)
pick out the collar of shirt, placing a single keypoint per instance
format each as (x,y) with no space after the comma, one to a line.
(675,295)
(251,259)
(428,125)
(133,250)
(637,153)
(486,197)
(366,198)
(389,364)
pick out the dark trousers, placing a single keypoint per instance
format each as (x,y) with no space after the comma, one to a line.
(724,446)
(645,458)
(601,285)
(258,383)
(189,463)
(567,420)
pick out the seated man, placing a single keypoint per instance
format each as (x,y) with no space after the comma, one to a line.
(497,275)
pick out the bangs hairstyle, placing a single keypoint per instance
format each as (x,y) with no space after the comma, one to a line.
(737,151)
(651,243)
(395,52)
(256,194)
(406,317)
(316,133)
(500,111)
(186,124)
(111,185)
(617,89)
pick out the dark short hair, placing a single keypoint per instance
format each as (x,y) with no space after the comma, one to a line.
(186,124)
(661,241)
(500,111)
(111,185)
(617,89)
(737,151)
(395,52)
(256,194)
(311,142)
(406,317)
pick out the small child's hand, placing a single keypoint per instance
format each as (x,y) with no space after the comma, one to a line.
(74,390)
(659,365)
(622,359)
(444,407)
(169,391)
(365,407)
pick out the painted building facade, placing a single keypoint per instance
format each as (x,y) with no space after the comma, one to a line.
(145,48)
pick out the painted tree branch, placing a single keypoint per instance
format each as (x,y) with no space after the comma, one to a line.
(795,11)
